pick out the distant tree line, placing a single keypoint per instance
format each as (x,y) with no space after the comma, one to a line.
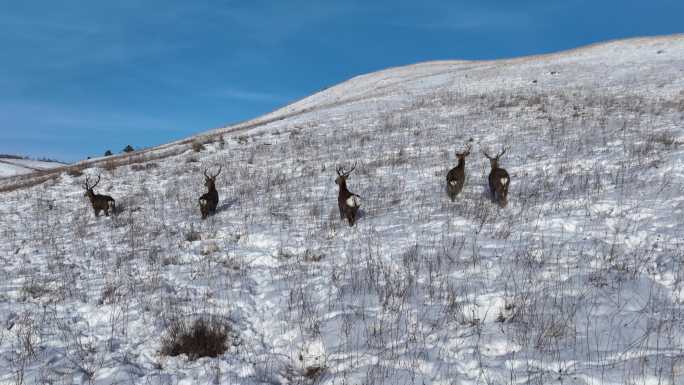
(20,157)
(126,150)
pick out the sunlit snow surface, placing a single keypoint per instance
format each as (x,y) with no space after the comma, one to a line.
(577,281)
(12,167)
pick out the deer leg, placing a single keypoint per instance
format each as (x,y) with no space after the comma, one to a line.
(492,192)
(203,207)
(503,197)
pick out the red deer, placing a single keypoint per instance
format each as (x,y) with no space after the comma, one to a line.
(209,201)
(456,176)
(347,201)
(100,202)
(498,180)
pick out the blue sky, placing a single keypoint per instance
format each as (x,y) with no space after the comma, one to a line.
(80,77)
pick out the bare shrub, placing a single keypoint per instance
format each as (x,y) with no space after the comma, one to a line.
(666,138)
(144,166)
(34,289)
(192,235)
(202,338)
(74,171)
(197,146)
(108,295)
(137,167)
(110,165)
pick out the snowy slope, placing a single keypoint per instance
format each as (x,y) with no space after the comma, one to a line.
(577,281)
(12,167)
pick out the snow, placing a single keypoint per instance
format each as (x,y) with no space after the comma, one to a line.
(13,167)
(577,281)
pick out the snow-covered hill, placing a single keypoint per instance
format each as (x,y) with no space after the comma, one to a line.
(577,281)
(10,166)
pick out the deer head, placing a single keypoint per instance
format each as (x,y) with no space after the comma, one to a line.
(462,155)
(210,180)
(89,188)
(494,161)
(342,175)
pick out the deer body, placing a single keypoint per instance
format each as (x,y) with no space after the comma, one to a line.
(456,176)
(498,185)
(347,202)
(499,180)
(210,199)
(98,201)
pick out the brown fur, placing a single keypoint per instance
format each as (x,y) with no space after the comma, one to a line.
(346,211)
(456,176)
(498,188)
(99,202)
(210,199)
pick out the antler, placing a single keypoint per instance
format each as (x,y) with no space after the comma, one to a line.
(341,172)
(219,171)
(499,155)
(467,150)
(502,152)
(352,169)
(213,176)
(87,183)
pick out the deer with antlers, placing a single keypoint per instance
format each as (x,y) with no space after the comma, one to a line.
(347,201)
(209,200)
(100,202)
(498,179)
(456,176)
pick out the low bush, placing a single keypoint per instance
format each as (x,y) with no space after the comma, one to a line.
(201,338)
